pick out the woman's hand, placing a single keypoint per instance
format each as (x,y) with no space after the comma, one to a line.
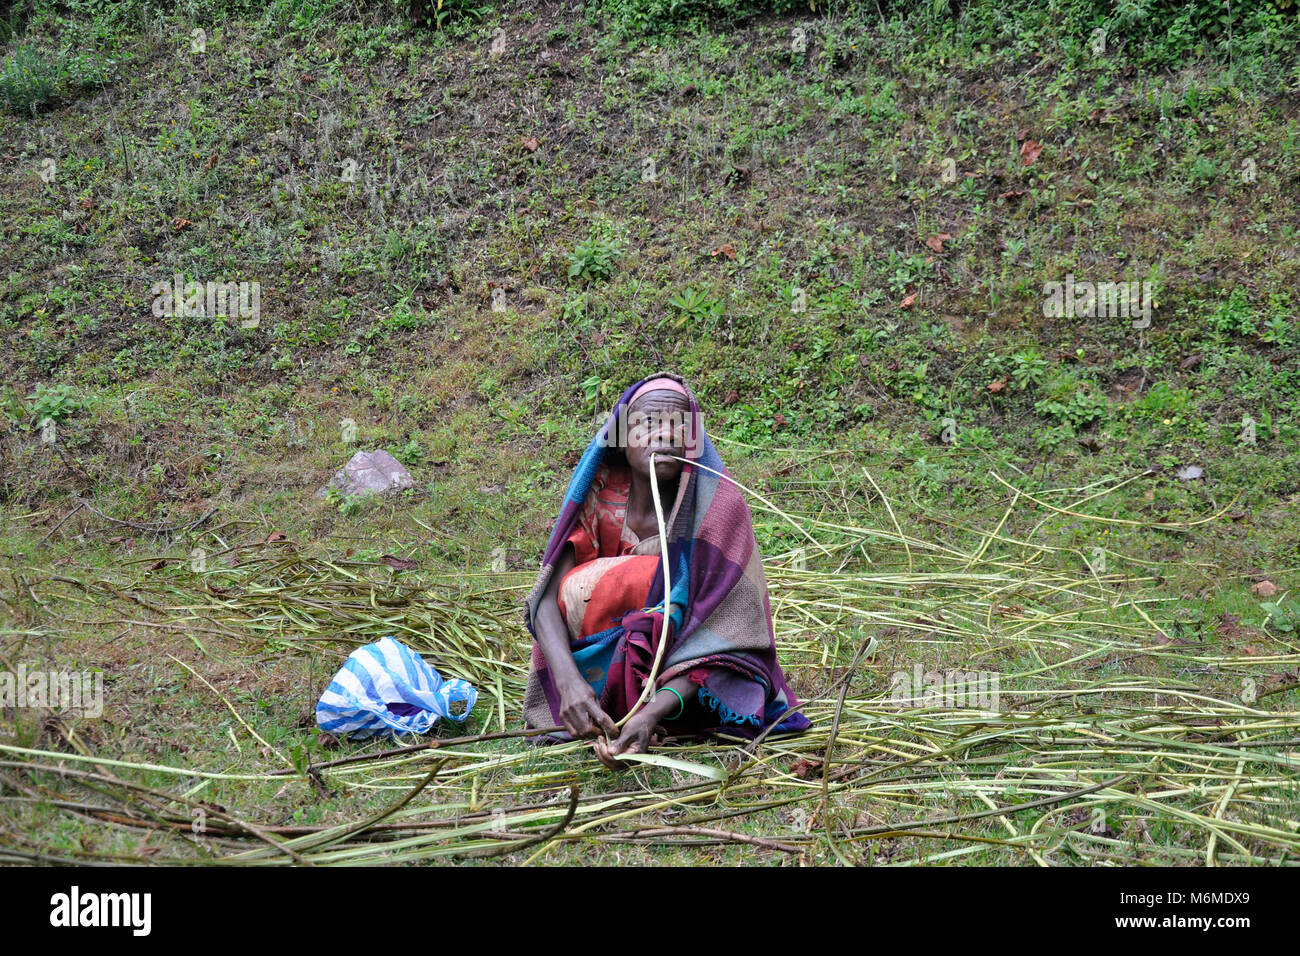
(580,712)
(638,736)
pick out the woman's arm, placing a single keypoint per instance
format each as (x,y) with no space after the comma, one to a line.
(579,710)
(665,704)
(552,632)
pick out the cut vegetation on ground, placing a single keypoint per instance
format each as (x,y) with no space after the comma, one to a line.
(843,230)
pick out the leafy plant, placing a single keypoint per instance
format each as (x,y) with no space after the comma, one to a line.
(1050,439)
(1080,411)
(28,80)
(1204,171)
(594,258)
(1284,618)
(1028,368)
(412,453)
(347,505)
(83,69)
(31,77)
(748,424)
(1234,315)
(1161,401)
(697,306)
(55,402)
(1278,330)
(976,436)
(931,475)
(439,13)
(404,315)
(907,271)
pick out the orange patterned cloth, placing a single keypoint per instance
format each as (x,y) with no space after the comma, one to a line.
(607,577)
(602,531)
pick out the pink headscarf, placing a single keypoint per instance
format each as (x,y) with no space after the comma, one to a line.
(655,385)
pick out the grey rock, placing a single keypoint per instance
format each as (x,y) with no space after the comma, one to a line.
(373,472)
(1189,473)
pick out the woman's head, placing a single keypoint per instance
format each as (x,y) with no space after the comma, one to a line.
(658,422)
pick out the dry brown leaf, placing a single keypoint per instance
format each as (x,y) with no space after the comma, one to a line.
(804,768)
(936,242)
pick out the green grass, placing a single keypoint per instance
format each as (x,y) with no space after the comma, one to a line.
(417,259)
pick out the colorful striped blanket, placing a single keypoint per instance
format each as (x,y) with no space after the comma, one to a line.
(718,610)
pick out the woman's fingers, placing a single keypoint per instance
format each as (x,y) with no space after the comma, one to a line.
(592,714)
(606,722)
(580,711)
(596,719)
(631,742)
(635,739)
(583,717)
(576,721)
(602,753)
(616,746)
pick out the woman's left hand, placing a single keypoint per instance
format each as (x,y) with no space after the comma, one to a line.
(638,736)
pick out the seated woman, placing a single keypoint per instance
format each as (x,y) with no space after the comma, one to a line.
(597,609)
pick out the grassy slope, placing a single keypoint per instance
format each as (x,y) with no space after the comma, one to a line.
(821,170)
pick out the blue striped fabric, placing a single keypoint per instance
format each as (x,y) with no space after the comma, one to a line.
(384,689)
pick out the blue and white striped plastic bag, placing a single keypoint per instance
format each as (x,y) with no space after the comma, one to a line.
(385,688)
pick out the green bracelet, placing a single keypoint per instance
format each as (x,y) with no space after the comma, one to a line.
(681,701)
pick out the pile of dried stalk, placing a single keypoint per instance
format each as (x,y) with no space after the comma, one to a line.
(1114,738)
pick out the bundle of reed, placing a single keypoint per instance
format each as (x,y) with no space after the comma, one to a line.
(1112,740)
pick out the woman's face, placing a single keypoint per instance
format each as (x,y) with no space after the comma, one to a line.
(657,423)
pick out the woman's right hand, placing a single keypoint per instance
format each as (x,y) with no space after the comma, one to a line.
(581,714)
